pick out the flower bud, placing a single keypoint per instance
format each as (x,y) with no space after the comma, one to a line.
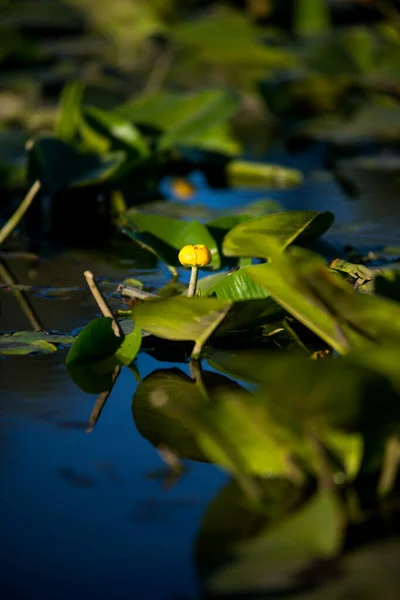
(195,256)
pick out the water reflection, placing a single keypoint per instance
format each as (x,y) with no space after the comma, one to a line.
(100,515)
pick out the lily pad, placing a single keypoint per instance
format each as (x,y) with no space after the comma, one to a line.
(32,342)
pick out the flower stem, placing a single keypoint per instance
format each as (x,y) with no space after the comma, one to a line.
(193,282)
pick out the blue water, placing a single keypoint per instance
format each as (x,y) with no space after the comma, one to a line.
(83,515)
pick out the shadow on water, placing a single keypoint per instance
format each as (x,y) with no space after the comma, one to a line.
(87,515)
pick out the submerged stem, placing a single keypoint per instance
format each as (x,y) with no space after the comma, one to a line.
(7,276)
(19,213)
(193,282)
(101,401)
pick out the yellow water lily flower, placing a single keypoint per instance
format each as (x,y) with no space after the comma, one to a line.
(195,256)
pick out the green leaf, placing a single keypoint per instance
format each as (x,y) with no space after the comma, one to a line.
(32,342)
(59,165)
(207,41)
(68,118)
(201,113)
(96,352)
(271,562)
(262,237)
(290,288)
(182,318)
(121,133)
(311,17)
(234,432)
(130,347)
(236,286)
(231,519)
(165,237)
(248,174)
(195,119)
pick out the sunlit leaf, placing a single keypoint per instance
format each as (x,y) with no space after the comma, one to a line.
(260,175)
(121,133)
(182,318)
(261,237)
(67,123)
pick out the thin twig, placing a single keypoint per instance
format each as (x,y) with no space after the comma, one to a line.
(13,221)
(23,300)
(101,401)
(28,256)
(102,303)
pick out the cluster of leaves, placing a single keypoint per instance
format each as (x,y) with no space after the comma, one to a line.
(338,85)
(318,346)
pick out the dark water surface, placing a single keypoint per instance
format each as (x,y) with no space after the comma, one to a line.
(85,515)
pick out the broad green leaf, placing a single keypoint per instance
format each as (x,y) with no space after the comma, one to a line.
(91,360)
(96,352)
(290,287)
(262,237)
(272,561)
(377,319)
(208,109)
(32,342)
(182,318)
(58,165)
(195,119)
(166,237)
(121,133)
(248,174)
(68,118)
(208,43)
(95,342)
